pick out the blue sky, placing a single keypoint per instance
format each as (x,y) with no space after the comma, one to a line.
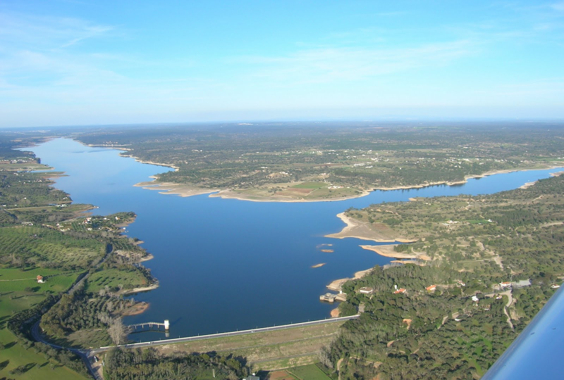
(73,62)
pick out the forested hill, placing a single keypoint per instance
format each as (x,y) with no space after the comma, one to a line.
(477,243)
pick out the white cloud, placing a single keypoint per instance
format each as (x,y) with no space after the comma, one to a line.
(328,65)
(44,32)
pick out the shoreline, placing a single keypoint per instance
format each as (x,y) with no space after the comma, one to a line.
(360,231)
(148,162)
(141,289)
(336,285)
(187,190)
(170,188)
(352,226)
(225,195)
(466,178)
(147,257)
(124,149)
(388,251)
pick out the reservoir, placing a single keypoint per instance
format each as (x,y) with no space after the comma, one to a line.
(226,264)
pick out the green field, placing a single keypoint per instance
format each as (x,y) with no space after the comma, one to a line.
(310,185)
(35,365)
(114,277)
(19,289)
(44,245)
(267,350)
(308,372)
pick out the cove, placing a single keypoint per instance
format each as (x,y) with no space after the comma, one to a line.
(226,264)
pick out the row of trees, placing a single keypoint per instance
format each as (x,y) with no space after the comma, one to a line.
(148,364)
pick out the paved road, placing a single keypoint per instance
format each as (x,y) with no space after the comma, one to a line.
(85,355)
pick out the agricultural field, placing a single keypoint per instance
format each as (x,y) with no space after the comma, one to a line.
(19,289)
(308,372)
(24,246)
(43,234)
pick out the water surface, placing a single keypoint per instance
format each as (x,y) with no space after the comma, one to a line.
(226,264)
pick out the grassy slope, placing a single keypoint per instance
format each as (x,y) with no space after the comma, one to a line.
(268,350)
(14,298)
(40,368)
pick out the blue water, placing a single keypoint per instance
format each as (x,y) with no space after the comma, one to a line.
(225,264)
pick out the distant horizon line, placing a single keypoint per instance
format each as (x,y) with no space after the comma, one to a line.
(250,122)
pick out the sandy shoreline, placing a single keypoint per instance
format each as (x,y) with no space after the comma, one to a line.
(225,193)
(139,290)
(147,257)
(187,190)
(527,185)
(466,178)
(363,231)
(228,194)
(388,251)
(337,284)
(169,188)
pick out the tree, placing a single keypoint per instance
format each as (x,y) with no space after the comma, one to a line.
(117,331)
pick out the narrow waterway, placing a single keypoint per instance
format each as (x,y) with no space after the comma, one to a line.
(226,264)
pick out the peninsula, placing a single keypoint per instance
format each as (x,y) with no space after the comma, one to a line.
(333,161)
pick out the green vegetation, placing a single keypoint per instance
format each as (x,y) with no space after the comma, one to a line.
(445,333)
(256,352)
(76,312)
(276,160)
(45,237)
(17,362)
(308,372)
(266,350)
(148,364)
(113,279)
(473,243)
